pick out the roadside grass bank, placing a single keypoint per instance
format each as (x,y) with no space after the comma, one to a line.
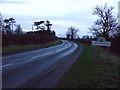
(17,49)
(93,69)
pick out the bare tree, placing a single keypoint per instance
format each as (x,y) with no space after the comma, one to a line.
(72,32)
(106,24)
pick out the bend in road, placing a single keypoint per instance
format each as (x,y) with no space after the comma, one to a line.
(40,68)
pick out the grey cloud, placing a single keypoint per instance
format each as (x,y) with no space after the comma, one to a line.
(11,1)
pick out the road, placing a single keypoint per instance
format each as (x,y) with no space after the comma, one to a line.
(40,68)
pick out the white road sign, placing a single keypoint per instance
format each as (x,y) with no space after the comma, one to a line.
(97,43)
(101,41)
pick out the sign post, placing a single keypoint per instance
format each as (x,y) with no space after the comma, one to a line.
(101,41)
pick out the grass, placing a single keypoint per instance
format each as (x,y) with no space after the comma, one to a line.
(92,70)
(17,49)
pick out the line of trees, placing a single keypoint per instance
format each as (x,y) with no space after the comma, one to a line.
(105,26)
(9,25)
(16,36)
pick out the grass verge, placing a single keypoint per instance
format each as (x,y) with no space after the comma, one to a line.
(92,70)
(16,49)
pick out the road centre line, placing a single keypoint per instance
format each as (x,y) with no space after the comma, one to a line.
(5,65)
(47,53)
(40,55)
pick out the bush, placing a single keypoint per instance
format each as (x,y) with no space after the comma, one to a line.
(38,37)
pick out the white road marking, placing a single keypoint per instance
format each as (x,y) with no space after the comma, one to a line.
(6,65)
(40,55)
(40,50)
(49,53)
(35,57)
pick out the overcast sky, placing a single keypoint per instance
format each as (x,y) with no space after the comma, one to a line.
(61,13)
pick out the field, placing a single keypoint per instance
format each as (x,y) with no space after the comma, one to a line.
(95,68)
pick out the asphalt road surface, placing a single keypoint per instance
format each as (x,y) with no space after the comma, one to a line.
(40,68)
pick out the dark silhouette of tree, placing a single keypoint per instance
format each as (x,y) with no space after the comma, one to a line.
(53,32)
(72,32)
(11,22)
(48,25)
(6,21)
(86,37)
(40,36)
(0,23)
(68,36)
(106,24)
(41,22)
(42,27)
(38,24)
(18,30)
(7,26)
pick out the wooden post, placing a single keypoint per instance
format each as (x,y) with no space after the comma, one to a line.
(107,55)
(94,53)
